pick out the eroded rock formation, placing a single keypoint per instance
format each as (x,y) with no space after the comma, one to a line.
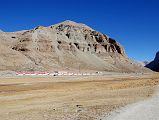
(66,45)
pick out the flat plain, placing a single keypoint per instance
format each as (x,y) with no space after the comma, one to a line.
(72,98)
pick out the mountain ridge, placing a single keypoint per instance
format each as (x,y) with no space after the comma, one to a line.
(63,46)
(154,65)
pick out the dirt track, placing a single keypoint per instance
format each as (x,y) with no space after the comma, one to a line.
(142,110)
(70,98)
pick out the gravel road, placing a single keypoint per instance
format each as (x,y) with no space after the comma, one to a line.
(144,110)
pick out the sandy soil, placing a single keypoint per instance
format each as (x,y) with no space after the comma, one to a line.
(71,98)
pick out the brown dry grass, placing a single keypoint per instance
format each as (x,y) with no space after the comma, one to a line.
(81,98)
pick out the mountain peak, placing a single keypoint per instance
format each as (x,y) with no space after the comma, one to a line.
(154,65)
(157,56)
(65,45)
(69,22)
(72,23)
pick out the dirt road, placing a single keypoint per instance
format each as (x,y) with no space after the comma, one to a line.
(143,110)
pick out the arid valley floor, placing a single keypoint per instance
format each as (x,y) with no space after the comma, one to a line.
(72,98)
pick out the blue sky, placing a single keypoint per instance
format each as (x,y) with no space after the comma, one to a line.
(133,23)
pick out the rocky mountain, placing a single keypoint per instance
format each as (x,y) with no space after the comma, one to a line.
(154,65)
(64,46)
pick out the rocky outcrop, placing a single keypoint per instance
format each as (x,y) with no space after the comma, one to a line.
(67,45)
(86,39)
(154,65)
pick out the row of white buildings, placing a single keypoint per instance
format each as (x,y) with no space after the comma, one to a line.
(56,73)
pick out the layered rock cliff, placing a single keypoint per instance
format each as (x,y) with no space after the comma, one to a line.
(67,45)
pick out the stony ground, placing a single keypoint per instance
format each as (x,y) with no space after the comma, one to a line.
(71,98)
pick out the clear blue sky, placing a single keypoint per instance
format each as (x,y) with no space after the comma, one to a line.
(133,23)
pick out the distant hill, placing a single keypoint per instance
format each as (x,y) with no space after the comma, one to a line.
(154,65)
(64,46)
(144,63)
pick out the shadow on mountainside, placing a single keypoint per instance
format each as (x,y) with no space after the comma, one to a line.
(154,65)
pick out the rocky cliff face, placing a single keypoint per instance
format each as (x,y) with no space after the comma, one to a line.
(154,65)
(67,45)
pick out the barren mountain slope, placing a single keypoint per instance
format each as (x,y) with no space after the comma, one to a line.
(154,65)
(67,45)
